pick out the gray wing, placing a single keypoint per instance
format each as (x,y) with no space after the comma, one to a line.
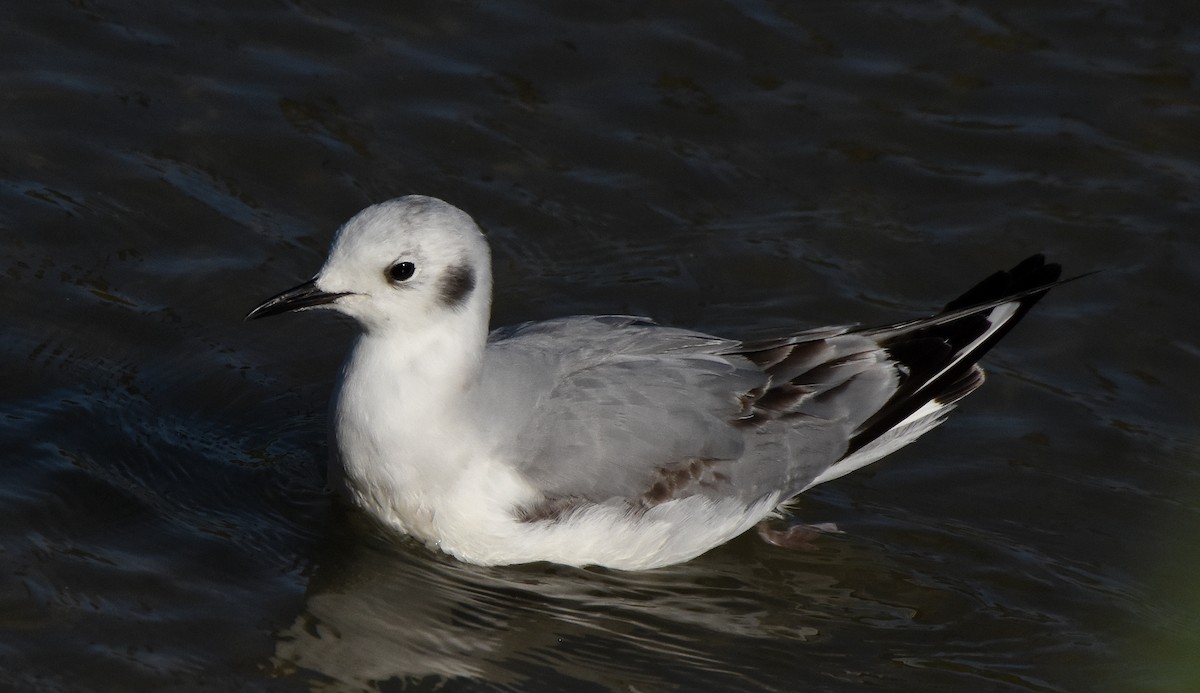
(612,398)
(620,409)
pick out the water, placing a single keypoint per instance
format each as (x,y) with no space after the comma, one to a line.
(743,167)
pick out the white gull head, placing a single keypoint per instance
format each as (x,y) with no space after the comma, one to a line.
(399,265)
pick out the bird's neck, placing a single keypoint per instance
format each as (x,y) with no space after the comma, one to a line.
(399,394)
(413,375)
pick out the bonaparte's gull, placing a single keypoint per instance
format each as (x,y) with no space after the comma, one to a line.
(607,440)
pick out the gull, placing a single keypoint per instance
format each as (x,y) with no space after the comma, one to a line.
(607,440)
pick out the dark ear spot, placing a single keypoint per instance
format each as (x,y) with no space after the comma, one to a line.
(456,285)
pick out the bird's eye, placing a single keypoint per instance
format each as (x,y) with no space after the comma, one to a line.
(401,271)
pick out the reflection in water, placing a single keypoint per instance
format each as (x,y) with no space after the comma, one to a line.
(374,618)
(747,615)
(377,610)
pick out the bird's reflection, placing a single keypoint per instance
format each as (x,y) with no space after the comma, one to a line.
(378,608)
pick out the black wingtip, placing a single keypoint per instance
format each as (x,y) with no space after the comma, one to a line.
(939,353)
(1031,273)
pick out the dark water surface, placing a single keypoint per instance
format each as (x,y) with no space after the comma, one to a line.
(739,167)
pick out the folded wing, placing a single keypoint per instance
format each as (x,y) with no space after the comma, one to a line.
(629,412)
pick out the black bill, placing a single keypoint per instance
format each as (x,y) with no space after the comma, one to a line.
(307,295)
